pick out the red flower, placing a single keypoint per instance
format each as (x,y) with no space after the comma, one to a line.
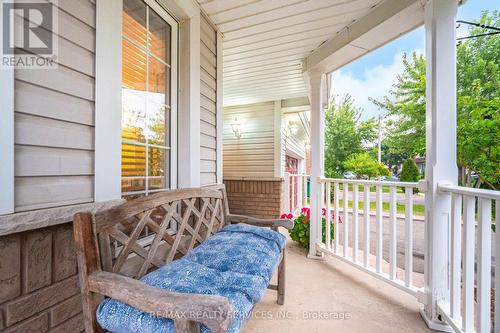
(283,216)
(333,218)
(289,216)
(305,220)
(323,211)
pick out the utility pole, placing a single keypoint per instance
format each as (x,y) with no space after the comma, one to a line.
(379,138)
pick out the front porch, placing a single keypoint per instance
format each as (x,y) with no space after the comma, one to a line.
(232,72)
(348,300)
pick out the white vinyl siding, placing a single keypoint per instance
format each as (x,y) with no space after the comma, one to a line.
(208,103)
(252,155)
(54,118)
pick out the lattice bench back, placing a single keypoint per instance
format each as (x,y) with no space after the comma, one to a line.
(146,233)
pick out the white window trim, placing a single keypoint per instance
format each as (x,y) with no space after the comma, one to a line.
(7,173)
(172,131)
(188,13)
(220,111)
(174,65)
(108,105)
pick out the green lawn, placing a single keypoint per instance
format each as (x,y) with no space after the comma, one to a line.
(385,189)
(418,210)
(401,208)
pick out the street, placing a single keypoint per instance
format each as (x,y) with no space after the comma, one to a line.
(418,240)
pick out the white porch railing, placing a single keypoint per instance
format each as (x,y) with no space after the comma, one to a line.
(348,248)
(468,305)
(471,209)
(355,249)
(295,192)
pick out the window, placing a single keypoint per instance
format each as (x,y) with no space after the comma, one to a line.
(148,63)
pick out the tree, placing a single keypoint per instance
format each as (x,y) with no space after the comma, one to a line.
(410,172)
(391,157)
(405,122)
(479,144)
(383,170)
(478,83)
(345,134)
(478,107)
(364,165)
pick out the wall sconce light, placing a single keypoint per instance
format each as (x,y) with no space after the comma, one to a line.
(236,127)
(290,129)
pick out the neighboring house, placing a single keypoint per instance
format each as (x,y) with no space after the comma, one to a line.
(296,139)
(420,162)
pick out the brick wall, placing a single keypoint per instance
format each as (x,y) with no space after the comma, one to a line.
(257,198)
(39,289)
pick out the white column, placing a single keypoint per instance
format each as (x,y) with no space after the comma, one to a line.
(7,172)
(316,81)
(440,16)
(108,100)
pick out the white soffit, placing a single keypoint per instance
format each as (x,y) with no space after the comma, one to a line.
(265,42)
(388,21)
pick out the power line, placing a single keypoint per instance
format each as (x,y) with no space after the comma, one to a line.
(481,35)
(484,26)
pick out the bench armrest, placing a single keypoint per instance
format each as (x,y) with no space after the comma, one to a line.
(216,312)
(270,223)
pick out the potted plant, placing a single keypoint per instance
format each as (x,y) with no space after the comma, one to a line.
(300,231)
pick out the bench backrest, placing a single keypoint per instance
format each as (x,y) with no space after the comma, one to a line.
(146,233)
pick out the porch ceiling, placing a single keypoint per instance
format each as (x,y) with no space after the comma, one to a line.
(265,41)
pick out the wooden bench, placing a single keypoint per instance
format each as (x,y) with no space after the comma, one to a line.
(118,246)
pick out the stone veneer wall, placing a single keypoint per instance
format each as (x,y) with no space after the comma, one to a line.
(39,287)
(254,197)
(39,290)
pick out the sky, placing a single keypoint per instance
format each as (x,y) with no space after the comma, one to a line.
(374,74)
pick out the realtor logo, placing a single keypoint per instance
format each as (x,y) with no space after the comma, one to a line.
(28,33)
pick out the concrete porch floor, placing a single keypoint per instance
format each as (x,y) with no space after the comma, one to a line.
(348,300)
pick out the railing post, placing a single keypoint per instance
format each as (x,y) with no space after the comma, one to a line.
(441,165)
(299,191)
(316,78)
(286,193)
(304,193)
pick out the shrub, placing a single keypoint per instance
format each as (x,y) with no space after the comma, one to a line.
(301,227)
(383,170)
(410,172)
(363,164)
